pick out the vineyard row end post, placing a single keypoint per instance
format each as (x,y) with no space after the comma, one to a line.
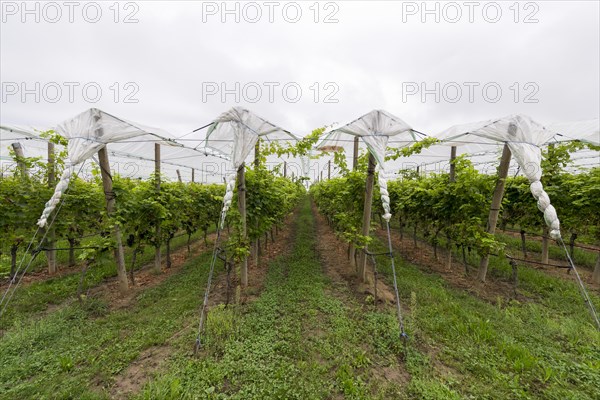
(495,207)
(110,209)
(362,261)
(157,255)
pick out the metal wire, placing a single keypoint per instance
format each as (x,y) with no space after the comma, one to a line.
(582,289)
(208,284)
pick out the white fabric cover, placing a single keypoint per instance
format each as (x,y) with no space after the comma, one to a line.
(9,133)
(586,131)
(87,133)
(375,129)
(235,133)
(524,138)
(305,162)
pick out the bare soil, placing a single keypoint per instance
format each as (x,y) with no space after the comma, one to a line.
(139,371)
(423,256)
(345,282)
(337,265)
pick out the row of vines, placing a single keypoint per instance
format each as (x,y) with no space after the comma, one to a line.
(455,213)
(83,228)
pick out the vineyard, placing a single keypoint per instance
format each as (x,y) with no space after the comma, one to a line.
(371,282)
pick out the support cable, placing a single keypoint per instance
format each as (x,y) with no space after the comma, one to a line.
(582,289)
(213,261)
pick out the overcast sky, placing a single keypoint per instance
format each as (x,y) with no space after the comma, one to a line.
(175,59)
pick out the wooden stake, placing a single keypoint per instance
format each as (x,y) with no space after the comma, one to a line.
(355,154)
(362,260)
(329,170)
(110,209)
(596,273)
(178,175)
(20,158)
(452,166)
(193,175)
(285,169)
(495,207)
(255,245)
(51,254)
(157,255)
(257,153)
(354,166)
(545,245)
(241,177)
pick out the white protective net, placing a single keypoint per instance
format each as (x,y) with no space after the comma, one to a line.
(587,131)
(92,130)
(235,133)
(524,137)
(377,130)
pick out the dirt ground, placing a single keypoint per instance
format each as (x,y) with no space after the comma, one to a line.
(337,265)
(423,256)
(334,258)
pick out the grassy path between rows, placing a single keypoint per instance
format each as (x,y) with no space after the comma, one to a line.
(298,340)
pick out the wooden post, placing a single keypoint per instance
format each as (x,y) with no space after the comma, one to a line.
(255,245)
(157,255)
(257,154)
(355,154)
(596,273)
(20,158)
(362,260)
(352,249)
(495,207)
(110,209)
(178,175)
(452,166)
(51,254)
(329,170)
(193,175)
(545,245)
(241,177)
(452,179)
(285,169)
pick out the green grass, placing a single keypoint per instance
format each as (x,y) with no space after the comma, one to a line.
(76,351)
(547,349)
(33,298)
